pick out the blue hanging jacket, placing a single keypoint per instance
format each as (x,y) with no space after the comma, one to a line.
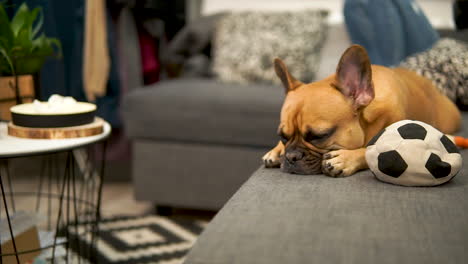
(390,30)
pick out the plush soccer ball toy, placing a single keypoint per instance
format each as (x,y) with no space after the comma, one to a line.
(413,153)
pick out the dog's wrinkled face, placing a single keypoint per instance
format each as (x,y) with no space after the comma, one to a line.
(315,119)
(325,115)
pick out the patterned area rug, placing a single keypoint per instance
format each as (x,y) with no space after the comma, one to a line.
(139,240)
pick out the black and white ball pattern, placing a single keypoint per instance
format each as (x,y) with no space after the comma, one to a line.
(413,153)
(446,64)
(246,43)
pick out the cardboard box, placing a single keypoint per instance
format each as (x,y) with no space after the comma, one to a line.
(26,238)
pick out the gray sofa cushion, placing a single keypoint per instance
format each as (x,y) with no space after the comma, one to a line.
(445,64)
(188,175)
(204,111)
(283,218)
(246,43)
(192,39)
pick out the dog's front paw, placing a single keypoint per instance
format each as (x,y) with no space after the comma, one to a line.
(343,163)
(272,159)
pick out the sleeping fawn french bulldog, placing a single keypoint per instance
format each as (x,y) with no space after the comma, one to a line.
(325,125)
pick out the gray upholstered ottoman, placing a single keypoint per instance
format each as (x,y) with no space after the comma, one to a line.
(282,218)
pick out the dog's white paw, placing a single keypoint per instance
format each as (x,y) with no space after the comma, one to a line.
(343,163)
(272,159)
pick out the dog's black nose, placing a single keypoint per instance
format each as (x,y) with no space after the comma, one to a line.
(293,156)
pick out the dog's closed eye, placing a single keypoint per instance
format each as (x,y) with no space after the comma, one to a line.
(313,136)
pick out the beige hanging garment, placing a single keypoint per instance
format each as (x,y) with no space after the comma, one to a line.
(96,53)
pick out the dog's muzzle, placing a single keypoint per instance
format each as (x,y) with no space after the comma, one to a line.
(301,161)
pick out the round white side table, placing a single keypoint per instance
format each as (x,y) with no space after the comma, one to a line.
(74,186)
(11,147)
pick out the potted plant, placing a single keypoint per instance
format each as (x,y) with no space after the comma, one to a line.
(23,50)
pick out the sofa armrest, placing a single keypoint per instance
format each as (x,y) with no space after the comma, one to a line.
(277,217)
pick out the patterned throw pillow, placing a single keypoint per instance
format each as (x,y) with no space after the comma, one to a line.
(246,43)
(446,64)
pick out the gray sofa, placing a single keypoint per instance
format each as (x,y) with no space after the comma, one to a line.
(277,217)
(195,139)
(282,218)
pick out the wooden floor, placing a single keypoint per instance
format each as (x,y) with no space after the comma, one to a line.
(117,197)
(117,200)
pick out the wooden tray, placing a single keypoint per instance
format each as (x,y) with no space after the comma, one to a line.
(95,128)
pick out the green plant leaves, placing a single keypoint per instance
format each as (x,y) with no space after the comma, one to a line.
(6,34)
(6,42)
(39,24)
(8,66)
(23,38)
(23,17)
(21,49)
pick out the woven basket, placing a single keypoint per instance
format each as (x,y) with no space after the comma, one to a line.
(8,93)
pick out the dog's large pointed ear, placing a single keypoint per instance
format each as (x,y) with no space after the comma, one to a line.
(289,82)
(354,76)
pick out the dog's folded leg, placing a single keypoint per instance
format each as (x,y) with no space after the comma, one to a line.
(343,163)
(272,158)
